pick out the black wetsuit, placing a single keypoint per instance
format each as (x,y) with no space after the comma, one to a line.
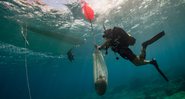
(119,43)
(127,54)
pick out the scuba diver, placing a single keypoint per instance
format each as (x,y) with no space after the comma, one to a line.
(119,41)
(70,55)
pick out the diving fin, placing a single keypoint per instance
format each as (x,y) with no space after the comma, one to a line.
(153,39)
(162,74)
(158,69)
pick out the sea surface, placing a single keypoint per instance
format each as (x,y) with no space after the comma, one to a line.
(35,37)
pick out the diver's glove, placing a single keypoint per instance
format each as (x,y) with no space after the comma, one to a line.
(97,47)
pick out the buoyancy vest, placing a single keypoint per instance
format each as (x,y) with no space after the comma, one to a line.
(120,39)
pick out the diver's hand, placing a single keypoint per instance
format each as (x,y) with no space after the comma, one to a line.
(98,47)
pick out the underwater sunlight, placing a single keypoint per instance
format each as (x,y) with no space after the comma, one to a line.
(53,49)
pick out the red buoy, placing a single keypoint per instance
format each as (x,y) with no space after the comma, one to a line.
(87,11)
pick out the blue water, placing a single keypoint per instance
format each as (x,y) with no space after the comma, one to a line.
(53,76)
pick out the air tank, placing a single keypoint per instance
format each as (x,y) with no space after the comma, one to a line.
(100,73)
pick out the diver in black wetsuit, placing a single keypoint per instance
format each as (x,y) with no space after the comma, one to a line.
(120,41)
(70,55)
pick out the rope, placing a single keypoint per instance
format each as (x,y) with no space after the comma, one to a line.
(26,67)
(94,37)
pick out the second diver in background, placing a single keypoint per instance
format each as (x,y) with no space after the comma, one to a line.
(119,41)
(70,55)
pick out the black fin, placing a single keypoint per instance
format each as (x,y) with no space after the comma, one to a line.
(160,72)
(153,39)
